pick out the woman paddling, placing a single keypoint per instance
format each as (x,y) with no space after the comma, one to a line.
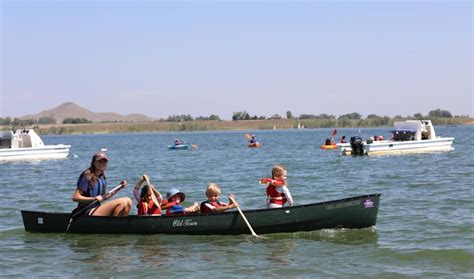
(91,185)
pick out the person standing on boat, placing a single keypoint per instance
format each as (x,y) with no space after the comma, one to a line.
(92,184)
(212,204)
(277,190)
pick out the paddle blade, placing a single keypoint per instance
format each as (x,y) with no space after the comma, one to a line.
(269,181)
(248,136)
(151,190)
(153,197)
(334,133)
(265,181)
(245,219)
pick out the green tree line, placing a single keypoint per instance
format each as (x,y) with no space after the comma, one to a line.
(76,120)
(8,121)
(345,120)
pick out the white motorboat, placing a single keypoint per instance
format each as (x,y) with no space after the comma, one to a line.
(411,136)
(25,144)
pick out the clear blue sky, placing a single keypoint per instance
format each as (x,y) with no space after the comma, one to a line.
(218,57)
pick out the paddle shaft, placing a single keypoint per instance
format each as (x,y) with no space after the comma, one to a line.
(245,219)
(333,136)
(95,203)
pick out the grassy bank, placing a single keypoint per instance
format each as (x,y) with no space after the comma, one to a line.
(155,126)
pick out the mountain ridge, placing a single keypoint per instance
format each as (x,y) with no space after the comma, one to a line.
(72,110)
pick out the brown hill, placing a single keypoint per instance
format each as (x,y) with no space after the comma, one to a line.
(71,110)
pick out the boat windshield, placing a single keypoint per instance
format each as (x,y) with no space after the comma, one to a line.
(5,139)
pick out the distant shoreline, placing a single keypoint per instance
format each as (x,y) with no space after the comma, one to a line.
(223,125)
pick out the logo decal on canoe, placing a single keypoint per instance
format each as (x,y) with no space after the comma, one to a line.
(184,223)
(368,203)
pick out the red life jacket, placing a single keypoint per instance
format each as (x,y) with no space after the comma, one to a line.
(149,208)
(206,209)
(273,196)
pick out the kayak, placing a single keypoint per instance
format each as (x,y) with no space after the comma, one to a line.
(330,146)
(353,212)
(180,146)
(255,144)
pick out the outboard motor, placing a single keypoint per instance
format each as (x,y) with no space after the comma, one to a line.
(357,146)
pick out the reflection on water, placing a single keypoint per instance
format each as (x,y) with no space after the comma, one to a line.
(150,251)
(278,252)
(119,251)
(343,236)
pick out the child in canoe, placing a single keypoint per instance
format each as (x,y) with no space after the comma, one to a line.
(212,204)
(146,204)
(277,191)
(173,204)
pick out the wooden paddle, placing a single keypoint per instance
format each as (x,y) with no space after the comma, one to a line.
(245,219)
(95,203)
(152,190)
(194,146)
(248,136)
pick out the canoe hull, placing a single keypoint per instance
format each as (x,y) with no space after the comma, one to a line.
(354,212)
(254,145)
(180,147)
(329,146)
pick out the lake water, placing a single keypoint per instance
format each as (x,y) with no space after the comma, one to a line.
(424,227)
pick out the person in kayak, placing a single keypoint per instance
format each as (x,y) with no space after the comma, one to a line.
(252,139)
(329,142)
(212,204)
(92,184)
(178,142)
(277,190)
(174,198)
(343,139)
(145,205)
